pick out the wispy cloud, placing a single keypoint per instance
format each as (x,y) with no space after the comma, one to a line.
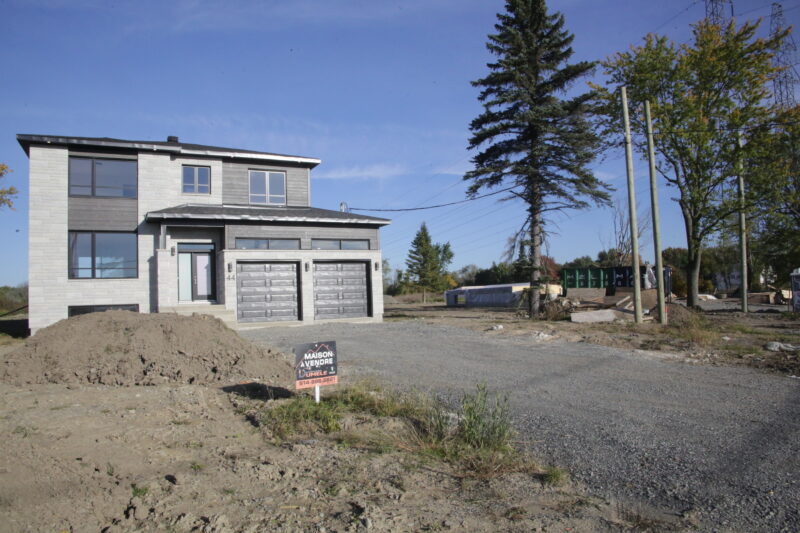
(366,172)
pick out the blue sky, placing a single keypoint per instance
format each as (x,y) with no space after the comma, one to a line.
(380,91)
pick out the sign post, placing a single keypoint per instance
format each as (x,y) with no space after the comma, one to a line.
(315,365)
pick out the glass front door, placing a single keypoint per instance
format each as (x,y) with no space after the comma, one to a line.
(196,279)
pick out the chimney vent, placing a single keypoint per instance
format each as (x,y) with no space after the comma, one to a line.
(172,139)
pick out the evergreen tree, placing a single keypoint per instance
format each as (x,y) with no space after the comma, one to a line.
(427,261)
(533,141)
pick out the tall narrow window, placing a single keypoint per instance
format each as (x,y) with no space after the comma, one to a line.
(267,187)
(196,180)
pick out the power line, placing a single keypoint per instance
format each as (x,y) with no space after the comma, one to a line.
(681,12)
(434,206)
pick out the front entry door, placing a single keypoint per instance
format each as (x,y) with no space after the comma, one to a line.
(196,279)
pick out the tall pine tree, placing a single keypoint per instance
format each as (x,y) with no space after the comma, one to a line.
(427,261)
(530,138)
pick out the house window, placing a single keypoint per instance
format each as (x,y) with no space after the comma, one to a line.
(267,244)
(102,255)
(75,310)
(196,180)
(111,178)
(267,187)
(337,244)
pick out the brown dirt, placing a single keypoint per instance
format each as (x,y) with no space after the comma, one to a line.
(81,454)
(184,458)
(125,348)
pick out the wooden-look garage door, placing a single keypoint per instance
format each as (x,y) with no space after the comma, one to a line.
(340,290)
(267,292)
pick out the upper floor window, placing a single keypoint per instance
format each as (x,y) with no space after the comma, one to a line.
(102,255)
(267,187)
(113,178)
(196,180)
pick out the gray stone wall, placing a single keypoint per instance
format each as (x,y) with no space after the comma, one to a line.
(50,289)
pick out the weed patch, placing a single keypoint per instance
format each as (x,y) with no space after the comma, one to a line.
(477,440)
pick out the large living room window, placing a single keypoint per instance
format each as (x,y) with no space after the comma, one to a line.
(102,255)
(267,187)
(196,180)
(111,178)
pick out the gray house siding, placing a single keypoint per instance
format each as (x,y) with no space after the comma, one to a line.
(304,233)
(236,183)
(106,214)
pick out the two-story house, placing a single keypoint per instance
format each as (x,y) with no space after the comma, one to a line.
(153,226)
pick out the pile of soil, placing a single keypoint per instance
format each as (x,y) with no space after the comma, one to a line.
(681,316)
(126,348)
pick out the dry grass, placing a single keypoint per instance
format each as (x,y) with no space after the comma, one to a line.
(477,440)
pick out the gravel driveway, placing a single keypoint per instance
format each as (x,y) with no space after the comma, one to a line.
(722,443)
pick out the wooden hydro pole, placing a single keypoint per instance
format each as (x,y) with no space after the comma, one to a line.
(662,310)
(637,283)
(742,230)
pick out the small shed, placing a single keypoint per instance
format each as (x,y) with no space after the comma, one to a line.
(505,295)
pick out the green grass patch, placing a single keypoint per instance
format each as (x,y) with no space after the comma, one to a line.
(138,492)
(554,476)
(477,438)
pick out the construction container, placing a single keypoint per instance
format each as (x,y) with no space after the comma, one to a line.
(608,277)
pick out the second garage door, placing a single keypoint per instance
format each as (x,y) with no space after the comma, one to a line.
(266,292)
(340,290)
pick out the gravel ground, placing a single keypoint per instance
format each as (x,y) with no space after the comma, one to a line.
(719,443)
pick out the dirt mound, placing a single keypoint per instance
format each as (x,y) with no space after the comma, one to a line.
(125,348)
(681,316)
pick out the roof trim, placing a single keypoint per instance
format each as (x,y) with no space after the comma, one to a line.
(25,140)
(264,218)
(168,214)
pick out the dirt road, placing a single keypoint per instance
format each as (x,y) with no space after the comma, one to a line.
(721,444)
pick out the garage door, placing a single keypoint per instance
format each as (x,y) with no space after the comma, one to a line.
(266,292)
(340,290)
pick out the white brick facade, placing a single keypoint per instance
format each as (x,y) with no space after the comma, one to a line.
(51,292)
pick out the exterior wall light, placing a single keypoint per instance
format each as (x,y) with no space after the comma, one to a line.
(172,251)
(376,266)
(230,267)
(307,266)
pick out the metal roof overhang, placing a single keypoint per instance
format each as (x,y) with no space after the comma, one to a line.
(25,140)
(183,216)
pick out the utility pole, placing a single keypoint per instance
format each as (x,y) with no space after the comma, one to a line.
(784,60)
(715,11)
(637,282)
(651,156)
(742,230)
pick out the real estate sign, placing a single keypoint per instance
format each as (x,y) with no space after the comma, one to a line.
(315,364)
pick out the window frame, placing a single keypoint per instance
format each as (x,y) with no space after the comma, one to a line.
(94,194)
(196,184)
(340,241)
(77,310)
(266,194)
(268,241)
(71,268)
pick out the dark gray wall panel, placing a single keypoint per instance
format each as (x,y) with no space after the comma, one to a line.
(304,233)
(236,183)
(111,214)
